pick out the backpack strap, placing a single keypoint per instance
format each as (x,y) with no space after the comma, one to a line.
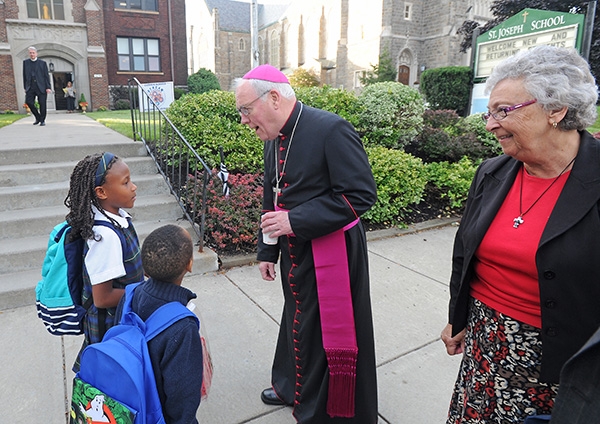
(165,316)
(160,319)
(109,224)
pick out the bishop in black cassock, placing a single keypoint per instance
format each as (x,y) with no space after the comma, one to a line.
(317,183)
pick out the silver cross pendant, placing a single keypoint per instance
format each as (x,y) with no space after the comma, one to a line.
(517,221)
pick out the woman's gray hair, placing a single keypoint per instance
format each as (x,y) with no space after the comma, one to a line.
(556,77)
(261,86)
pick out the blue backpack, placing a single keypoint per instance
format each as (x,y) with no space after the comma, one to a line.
(116,379)
(58,294)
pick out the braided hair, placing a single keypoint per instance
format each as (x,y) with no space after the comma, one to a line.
(82,196)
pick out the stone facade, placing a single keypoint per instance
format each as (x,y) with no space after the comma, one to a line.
(339,39)
(79,43)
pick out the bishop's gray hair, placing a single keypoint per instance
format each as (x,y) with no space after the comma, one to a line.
(556,77)
(261,86)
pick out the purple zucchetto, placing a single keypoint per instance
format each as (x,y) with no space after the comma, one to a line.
(267,73)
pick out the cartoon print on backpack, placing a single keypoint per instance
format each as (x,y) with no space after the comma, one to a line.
(97,411)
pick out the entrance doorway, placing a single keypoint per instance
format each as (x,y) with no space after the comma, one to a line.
(403,74)
(59,81)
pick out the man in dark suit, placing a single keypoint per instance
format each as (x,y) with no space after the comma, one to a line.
(36,81)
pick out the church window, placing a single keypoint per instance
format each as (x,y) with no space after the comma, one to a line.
(408,11)
(138,54)
(150,5)
(274,50)
(358,77)
(242,45)
(46,9)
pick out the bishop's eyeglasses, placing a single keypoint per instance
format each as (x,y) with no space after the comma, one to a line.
(245,109)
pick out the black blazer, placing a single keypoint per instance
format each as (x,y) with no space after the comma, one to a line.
(41,75)
(567,258)
(579,390)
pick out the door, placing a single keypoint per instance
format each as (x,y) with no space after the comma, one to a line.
(403,74)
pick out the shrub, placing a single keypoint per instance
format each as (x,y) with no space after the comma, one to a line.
(448,88)
(341,102)
(391,114)
(178,92)
(400,179)
(453,179)
(448,137)
(102,109)
(304,78)
(232,222)
(209,121)
(202,81)
(473,124)
(122,104)
(440,118)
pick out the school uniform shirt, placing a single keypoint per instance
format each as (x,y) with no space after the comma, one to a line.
(104,259)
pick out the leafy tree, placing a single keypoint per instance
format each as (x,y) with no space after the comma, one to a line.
(202,81)
(304,78)
(381,72)
(504,9)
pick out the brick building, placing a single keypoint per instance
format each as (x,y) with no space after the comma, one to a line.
(94,43)
(339,39)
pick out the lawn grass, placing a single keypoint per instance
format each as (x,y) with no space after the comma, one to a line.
(117,120)
(9,118)
(596,127)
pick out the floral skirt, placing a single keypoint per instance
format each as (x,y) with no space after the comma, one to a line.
(498,376)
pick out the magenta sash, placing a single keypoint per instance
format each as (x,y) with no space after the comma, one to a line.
(337,320)
(330,258)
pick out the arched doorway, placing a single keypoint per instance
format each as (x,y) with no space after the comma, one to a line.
(61,72)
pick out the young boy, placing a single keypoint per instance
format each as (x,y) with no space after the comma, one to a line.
(176,353)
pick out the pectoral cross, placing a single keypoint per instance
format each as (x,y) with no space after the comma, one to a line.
(517,221)
(276,192)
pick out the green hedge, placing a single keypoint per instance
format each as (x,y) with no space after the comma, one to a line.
(448,88)
(386,115)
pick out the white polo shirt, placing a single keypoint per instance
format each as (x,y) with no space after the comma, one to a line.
(104,260)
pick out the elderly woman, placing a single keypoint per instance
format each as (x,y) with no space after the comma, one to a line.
(525,284)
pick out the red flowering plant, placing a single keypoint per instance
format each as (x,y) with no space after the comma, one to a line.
(231,224)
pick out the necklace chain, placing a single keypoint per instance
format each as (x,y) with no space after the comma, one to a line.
(519,219)
(279,175)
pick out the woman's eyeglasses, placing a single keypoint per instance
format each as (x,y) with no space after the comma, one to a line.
(503,113)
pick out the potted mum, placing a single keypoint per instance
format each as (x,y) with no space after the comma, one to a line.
(82,103)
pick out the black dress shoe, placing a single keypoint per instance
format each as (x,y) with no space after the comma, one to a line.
(42,124)
(269,397)
(36,122)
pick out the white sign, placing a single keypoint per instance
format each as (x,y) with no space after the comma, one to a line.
(161,93)
(491,53)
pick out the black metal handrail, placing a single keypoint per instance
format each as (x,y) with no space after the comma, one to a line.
(176,160)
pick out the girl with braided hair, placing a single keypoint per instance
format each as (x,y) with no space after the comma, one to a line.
(100,188)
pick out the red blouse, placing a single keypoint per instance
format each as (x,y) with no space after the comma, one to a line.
(506,275)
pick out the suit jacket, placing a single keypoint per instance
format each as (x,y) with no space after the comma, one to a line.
(567,257)
(579,391)
(40,71)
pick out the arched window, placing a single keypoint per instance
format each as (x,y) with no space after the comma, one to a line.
(242,44)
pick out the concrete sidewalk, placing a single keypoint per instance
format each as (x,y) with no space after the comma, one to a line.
(409,288)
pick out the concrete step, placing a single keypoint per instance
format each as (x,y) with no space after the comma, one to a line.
(42,173)
(33,185)
(42,195)
(18,288)
(69,153)
(40,221)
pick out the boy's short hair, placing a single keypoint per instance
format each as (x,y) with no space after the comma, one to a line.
(166,253)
